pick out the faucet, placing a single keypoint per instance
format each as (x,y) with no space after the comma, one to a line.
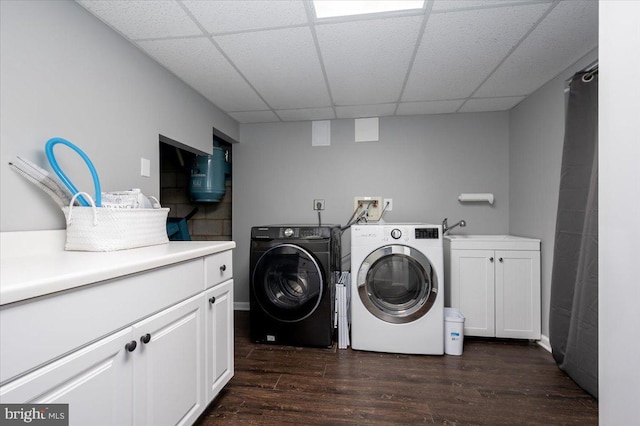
(446,228)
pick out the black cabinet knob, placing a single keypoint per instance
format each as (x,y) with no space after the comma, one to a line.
(491,259)
(212,300)
(131,346)
(146,338)
(223,268)
(500,260)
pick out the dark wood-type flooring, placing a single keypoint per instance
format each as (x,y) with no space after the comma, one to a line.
(494,382)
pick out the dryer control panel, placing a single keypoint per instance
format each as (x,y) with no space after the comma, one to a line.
(284,232)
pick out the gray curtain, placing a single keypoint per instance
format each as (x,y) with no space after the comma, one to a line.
(573,317)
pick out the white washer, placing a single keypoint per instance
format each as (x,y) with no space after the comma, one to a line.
(397,288)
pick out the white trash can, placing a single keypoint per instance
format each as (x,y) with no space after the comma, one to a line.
(453,331)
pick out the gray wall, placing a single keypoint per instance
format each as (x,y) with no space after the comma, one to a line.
(422,162)
(66,74)
(536,137)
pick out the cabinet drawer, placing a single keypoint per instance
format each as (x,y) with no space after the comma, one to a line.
(42,329)
(218,268)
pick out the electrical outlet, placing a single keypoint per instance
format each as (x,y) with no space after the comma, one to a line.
(318,204)
(373,205)
(387,204)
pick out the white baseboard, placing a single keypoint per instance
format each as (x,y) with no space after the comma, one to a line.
(240,306)
(545,343)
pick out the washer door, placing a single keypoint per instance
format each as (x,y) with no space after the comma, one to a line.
(397,284)
(287,283)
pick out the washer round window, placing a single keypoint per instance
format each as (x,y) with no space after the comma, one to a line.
(397,284)
(288,283)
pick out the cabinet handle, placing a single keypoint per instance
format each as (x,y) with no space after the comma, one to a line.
(146,338)
(491,259)
(212,300)
(223,268)
(131,346)
(500,260)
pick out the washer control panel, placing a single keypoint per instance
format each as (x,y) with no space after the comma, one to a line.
(400,233)
(427,234)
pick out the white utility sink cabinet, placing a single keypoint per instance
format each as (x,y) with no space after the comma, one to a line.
(494,280)
(133,337)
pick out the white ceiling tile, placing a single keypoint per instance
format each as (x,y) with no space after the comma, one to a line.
(366,61)
(281,64)
(202,66)
(254,116)
(232,16)
(264,63)
(447,5)
(460,49)
(491,104)
(363,111)
(144,19)
(432,107)
(306,114)
(569,32)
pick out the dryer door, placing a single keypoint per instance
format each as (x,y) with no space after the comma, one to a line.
(397,284)
(288,283)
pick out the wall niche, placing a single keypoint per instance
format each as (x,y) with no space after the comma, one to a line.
(207,221)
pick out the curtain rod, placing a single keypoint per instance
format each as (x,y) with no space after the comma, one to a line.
(587,74)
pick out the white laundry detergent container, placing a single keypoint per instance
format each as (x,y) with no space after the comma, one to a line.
(453,331)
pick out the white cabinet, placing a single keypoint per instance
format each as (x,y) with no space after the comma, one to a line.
(495,282)
(162,347)
(95,381)
(123,380)
(219,337)
(168,372)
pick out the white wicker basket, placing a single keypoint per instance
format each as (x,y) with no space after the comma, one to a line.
(108,229)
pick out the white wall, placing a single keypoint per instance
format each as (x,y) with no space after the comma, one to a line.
(619,213)
(536,137)
(63,73)
(421,162)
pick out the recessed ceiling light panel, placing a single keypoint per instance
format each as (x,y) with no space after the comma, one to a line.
(335,8)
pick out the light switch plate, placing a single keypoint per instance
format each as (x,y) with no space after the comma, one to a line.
(145,167)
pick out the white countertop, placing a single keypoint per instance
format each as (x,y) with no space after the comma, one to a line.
(494,242)
(34,263)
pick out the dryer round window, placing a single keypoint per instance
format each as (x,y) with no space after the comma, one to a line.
(397,284)
(287,283)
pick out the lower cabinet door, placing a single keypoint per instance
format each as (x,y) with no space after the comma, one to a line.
(518,294)
(95,381)
(473,290)
(168,374)
(219,337)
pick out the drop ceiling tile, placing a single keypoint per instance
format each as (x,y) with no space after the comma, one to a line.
(363,111)
(254,116)
(367,61)
(199,64)
(306,114)
(569,32)
(459,49)
(282,65)
(233,16)
(491,104)
(448,5)
(144,19)
(432,107)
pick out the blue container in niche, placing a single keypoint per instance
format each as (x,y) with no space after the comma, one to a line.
(208,176)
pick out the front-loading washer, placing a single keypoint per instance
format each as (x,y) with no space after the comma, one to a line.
(397,293)
(294,271)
